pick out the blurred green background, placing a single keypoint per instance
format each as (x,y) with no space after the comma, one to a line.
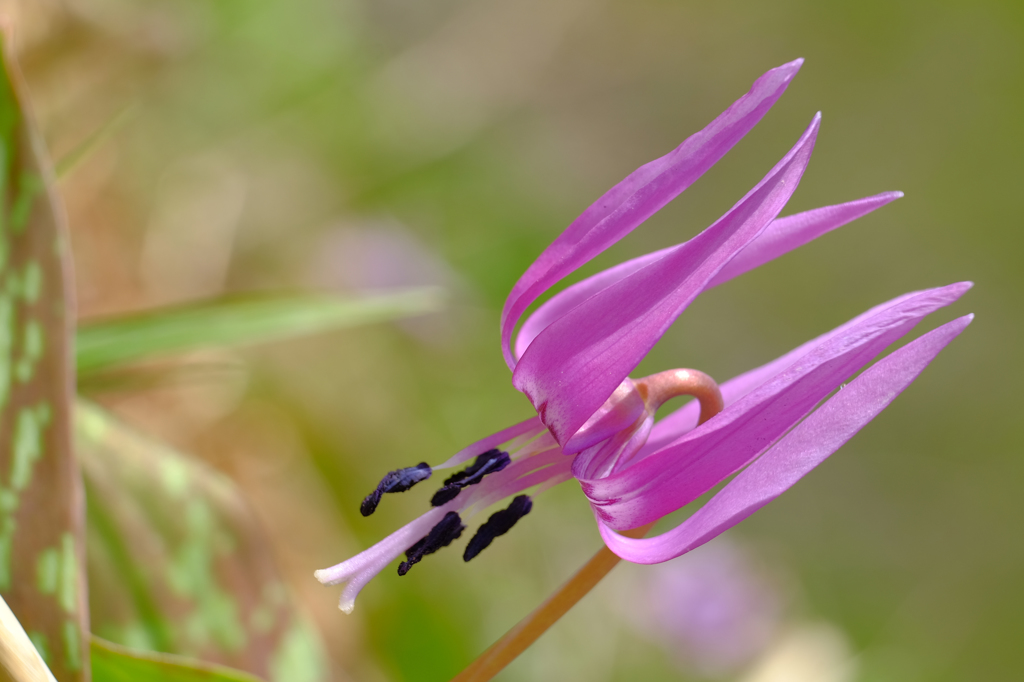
(338,145)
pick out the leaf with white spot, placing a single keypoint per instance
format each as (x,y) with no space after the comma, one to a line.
(41,525)
(102,345)
(177,563)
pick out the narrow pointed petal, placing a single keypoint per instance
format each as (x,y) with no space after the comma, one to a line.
(782,236)
(684,420)
(640,195)
(804,448)
(564,301)
(791,232)
(575,364)
(680,473)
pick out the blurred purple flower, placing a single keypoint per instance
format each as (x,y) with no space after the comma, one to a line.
(714,612)
(377,255)
(572,358)
(380,255)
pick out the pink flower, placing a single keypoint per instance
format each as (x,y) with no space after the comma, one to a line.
(572,359)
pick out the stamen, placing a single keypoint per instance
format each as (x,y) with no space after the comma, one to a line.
(655,390)
(443,534)
(396,481)
(490,462)
(500,523)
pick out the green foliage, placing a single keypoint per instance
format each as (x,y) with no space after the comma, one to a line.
(114,663)
(102,345)
(41,549)
(177,563)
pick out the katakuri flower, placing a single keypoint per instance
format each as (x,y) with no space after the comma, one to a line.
(572,358)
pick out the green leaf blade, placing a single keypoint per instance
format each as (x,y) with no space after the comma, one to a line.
(115,663)
(106,344)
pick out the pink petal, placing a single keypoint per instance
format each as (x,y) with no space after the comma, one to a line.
(577,362)
(791,232)
(782,236)
(640,195)
(622,408)
(680,473)
(683,420)
(807,446)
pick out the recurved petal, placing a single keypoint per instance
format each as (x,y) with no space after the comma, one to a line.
(684,420)
(782,236)
(575,364)
(622,408)
(641,194)
(804,448)
(680,473)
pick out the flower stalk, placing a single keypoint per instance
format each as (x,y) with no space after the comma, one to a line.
(529,629)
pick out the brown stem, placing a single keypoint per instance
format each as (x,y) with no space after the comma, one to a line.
(526,632)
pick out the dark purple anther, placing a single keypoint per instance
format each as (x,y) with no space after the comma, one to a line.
(490,462)
(499,524)
(396,481)
(447,529)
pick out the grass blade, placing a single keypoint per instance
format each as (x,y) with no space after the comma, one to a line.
(105,344)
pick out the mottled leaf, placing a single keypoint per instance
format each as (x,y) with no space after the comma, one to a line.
(41,533)
(101,345)
(115,663)
(177,563)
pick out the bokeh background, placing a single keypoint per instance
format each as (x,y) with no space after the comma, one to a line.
(347,145)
